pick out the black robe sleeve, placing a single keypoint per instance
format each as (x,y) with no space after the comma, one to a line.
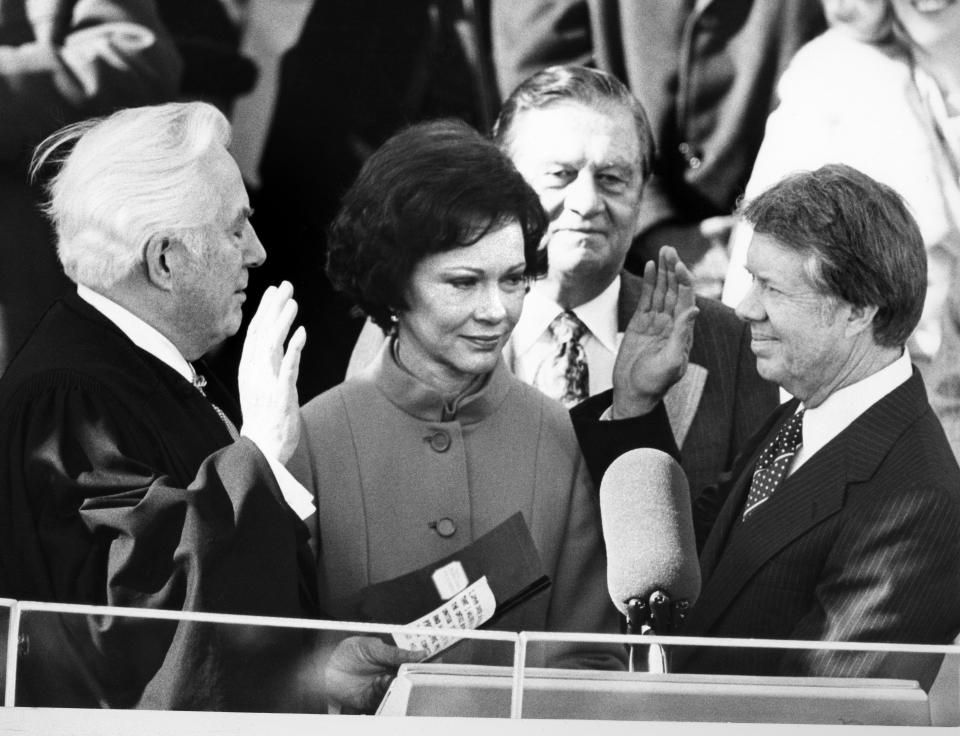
(103,508)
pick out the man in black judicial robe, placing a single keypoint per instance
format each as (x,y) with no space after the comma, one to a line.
(123,478)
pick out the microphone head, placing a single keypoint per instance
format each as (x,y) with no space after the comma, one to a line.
(648,529)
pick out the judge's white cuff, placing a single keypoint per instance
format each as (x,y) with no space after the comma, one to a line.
(297,497)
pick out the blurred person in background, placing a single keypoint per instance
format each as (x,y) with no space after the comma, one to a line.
(704,70)
(208,35)
(62,61)
(878,91)
(359,71)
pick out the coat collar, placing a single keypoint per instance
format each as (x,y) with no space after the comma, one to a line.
(413,396)
(734,552)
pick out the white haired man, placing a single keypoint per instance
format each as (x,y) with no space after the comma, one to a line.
(124,478)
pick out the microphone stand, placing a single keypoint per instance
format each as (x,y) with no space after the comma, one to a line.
(659,614)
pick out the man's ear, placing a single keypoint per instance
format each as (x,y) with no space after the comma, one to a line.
(160,257)
(860,319)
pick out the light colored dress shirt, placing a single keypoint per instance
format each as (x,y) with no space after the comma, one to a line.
(150,340)
(533,345)
(842,407)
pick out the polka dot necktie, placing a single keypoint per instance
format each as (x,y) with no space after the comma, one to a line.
(774,462)
(566,376)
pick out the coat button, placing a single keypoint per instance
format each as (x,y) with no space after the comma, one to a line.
(444,527)
(440,441)
(692,156)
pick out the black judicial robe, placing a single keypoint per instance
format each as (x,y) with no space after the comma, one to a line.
(119,485)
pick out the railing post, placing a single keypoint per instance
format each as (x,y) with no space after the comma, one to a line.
(519,666)
(13,654)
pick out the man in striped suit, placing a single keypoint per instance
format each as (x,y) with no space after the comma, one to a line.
(839,521)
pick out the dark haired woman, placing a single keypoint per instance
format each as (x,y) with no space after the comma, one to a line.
(436,442)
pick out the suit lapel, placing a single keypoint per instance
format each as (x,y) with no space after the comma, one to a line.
(683,398)
(805,499)
(714,544)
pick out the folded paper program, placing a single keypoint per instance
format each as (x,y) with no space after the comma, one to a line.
(469,609)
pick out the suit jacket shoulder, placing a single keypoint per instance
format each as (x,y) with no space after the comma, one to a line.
(855,545)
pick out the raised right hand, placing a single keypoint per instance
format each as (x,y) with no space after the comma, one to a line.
(268,376)
(656,345)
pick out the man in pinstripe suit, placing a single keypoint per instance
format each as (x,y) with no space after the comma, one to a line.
(856,538)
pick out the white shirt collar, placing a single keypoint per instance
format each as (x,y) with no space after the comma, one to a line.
(842,407)
(599,315)
(140,333)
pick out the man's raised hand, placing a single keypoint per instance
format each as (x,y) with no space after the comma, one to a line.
(656,345)
(268,375)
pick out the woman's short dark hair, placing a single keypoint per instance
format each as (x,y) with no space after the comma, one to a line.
(432,187)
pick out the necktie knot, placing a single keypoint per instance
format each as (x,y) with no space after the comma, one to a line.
(566,376)
(567,327)
(787,442)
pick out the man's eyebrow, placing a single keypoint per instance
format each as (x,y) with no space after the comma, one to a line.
(244,214)
(621,164)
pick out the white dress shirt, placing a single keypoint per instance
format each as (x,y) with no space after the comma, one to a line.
(148,339)
(533,345)
(842,407)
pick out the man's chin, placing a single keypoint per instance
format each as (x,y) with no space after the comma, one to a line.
(771,370)
(577,240)
(583,258)
(231,327)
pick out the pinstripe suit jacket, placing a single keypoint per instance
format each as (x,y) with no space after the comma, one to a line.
(861,543)
(729,405)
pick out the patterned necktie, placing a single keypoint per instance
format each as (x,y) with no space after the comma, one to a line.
(774,462)
(200,383)
(568,378)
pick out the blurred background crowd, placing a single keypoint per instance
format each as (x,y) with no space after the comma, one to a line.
(312,88)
